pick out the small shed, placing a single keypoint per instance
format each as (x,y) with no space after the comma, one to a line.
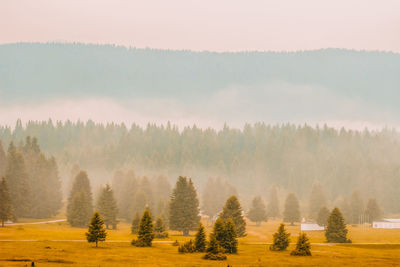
(311,227)
(387,224)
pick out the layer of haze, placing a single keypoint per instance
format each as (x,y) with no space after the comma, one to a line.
(224,25)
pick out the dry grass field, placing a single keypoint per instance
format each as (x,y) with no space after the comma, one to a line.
(57,244)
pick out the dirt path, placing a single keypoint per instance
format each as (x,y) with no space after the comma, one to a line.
(53,221)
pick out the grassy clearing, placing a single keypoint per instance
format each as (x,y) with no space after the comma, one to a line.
(64,253)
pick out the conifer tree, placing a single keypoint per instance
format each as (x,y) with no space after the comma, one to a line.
(317,200)
(160,229)
(17,181)
(336,231)
(219,230)
(322,217)
(107,206)
(3,160)
(80,207)
(214,250)
(303,246)
(373,211)
(96,230)
(357,207)
(292,209)
(184,207)
(135,224)
(257,212)
(233,210)
(230,242)
(280,239)
(6,212)
(273,203)
(145,233)
(345,209)
(200,241)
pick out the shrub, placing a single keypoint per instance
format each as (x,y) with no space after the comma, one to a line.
(187,247)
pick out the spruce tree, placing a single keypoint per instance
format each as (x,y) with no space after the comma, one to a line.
(135,224)
(303,246)
(336,231)
(214,250)
(200,241)
(6,212)
(145,233)
(280,239)
(18,182)
(317,200)
(80,207)
(357,207)
(373,211)
(219,230)
(107,206)
(230,242)
(257,212)
(233,210)
(96,230)
(292,209)
(184,207)
(3,160)
(160,229)
(273,203)
(322,217)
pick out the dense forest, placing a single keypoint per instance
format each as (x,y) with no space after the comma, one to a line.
(247,161)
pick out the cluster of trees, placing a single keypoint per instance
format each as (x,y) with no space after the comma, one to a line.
(31,179)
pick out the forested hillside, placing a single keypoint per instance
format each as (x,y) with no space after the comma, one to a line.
(252,159)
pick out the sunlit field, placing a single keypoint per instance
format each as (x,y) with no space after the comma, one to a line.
(58,244)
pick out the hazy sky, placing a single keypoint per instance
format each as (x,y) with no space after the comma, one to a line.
(206,25)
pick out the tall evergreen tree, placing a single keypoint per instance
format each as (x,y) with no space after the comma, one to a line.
(322,217)
(160,230)
(3,160)
(214,250)
(373,210)
(303,246)
(317,200)
(257,212)
(219,230)
(145,233)
(200,241)
(6,211)
(357,207)
(292,209)
(107,206)
(233,210)
(80,201)
(345,209)
(184,206)
(17,180)
(336,231)
(280,239)
(230,242)
(135,224)
(273,203)
(96,230)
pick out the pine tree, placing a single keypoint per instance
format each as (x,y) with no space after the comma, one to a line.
(357,207)
(257,213)
(303,246)
(18,183)
(184,207)
(219,230)
(322,217)
(273,203)
(6,212)
(345,209)
(160,229)
(80,207)
(107,206)
(292,210)
(373,211)
(233,210)
(135,224)
(96,230)
(280,239)
(145,233)
(336,231)
(3,160)
(214,250)
(200,239)
(317,200)
(230,242)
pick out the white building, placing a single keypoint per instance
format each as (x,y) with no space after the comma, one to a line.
(311,227)
(387,224)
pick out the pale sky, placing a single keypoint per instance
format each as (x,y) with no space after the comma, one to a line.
(217,25)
